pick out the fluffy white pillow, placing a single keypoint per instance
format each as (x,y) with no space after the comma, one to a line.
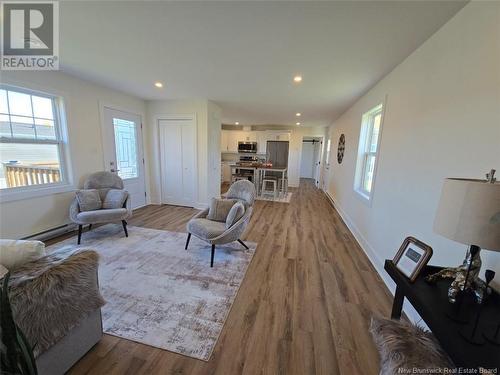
(14,253)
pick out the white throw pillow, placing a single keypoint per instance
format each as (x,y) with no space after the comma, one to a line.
(14,253)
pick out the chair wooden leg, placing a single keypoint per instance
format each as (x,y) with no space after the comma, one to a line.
(244,245)
(212,258)
(80,227)
(124,223)
(187,241)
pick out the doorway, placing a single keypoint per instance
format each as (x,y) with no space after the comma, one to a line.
(311,159)
(123,152)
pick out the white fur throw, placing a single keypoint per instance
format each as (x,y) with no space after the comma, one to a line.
(403,347)
(51,295)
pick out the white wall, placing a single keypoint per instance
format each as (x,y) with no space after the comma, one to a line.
(442,120)
(213,148)
(208,141)
(81,100)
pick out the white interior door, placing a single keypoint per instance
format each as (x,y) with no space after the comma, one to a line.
(178,161)
(123,153)
(317,162)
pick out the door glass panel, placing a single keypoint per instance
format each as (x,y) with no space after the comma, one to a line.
(126,150)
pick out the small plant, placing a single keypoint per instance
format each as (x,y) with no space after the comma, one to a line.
(16,354)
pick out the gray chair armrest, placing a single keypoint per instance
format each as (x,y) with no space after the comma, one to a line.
(236,230)
(128,205)
(201,215)
(74,210)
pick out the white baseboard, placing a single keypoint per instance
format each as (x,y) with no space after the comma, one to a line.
(52,233)
(373,257)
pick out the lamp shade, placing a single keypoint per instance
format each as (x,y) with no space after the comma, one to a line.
(469,213)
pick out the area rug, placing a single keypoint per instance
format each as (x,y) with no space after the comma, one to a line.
(161,295)
(280,199)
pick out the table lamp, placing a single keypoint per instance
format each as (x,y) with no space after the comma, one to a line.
(469,213)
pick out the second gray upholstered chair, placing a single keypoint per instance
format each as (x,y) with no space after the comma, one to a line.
(217,233)
(102,182)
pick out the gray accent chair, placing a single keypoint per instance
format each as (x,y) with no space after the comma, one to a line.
(102,182)
(215,232)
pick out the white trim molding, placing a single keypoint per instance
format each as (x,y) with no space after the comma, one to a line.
(374,259)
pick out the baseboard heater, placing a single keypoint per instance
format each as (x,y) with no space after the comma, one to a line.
(52,233)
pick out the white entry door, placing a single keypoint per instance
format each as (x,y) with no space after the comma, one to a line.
(178,161)
(123,153)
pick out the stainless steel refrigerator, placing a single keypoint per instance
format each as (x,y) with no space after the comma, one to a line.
(277,153)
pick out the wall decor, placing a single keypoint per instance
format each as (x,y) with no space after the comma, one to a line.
(411,257)
(341,149)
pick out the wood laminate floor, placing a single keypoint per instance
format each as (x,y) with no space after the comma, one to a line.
(303,308)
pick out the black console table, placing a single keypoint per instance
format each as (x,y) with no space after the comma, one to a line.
(431,302)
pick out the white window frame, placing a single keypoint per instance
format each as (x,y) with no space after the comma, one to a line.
(60,128)
(364,153)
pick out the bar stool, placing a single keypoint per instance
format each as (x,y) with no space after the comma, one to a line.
(269,181)
(283,183)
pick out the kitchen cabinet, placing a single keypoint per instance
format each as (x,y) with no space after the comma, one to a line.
(261,137)
(233,137)
(273,135)
(226,171)
(248,137)
(230,139)
(223,141)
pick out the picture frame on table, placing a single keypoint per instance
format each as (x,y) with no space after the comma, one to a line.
(411,257)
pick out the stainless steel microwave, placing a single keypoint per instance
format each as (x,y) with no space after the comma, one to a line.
(247,147)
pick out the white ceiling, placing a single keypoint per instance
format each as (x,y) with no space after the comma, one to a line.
(243,54)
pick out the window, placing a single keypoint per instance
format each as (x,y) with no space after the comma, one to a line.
(328,145)
(369,139)
(31,141)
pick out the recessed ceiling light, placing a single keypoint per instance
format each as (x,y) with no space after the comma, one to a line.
(236,123)
(298,114)
(297,79)
(297,123)
(159,85)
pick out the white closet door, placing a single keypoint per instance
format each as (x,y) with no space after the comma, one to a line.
(189,186)
(178,161)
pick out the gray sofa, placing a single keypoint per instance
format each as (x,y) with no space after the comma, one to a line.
(56,303)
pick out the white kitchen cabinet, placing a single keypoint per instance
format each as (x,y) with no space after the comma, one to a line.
(233,137)
(223,140)
(261,138)
(226,171)
(230,139)
(247,136)
(273,135)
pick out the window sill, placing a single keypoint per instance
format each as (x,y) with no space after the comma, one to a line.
(364,197)
(15,194)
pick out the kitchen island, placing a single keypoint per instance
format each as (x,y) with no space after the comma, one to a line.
(256,172)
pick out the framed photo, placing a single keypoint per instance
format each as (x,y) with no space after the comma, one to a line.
(411,257)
